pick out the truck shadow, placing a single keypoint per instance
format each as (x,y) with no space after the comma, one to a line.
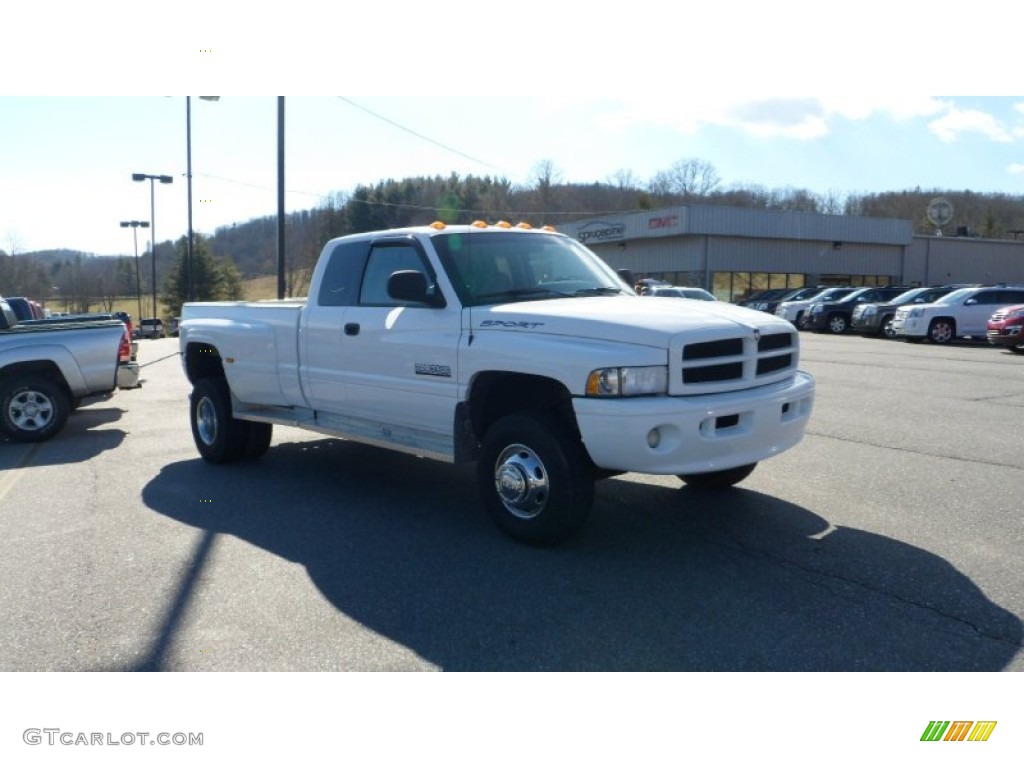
(82,438)
(661,579)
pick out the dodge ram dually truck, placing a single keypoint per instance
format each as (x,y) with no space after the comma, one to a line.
(47,367)
(513,347)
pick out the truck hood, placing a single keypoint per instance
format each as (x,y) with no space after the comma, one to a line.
(646,320)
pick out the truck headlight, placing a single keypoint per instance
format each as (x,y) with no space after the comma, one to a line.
(628,382)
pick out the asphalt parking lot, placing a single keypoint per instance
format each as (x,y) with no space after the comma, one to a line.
(890,539)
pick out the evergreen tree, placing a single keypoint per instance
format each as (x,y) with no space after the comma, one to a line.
(212,279)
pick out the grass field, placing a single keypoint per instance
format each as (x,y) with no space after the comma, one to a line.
(254,289)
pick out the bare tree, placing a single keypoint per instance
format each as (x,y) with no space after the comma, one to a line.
(545,177)
(624,178)
(689,178)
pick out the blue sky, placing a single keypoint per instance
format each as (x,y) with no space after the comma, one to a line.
(812,107)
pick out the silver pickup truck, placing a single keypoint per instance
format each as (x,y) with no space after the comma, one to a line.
(48,367)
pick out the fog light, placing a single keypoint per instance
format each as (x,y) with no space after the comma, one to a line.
(653,438)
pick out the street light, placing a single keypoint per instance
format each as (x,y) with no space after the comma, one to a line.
(152,218)
(135,236)
(189,290)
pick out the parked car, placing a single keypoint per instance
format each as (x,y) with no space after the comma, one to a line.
(1006,328)
(762,297)
(770,303)
(24,309)
(835,316)
(152,328)
(964,312)
(876,318)
(795,310)
(680,292)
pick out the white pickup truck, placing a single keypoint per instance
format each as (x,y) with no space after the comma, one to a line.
(513,347)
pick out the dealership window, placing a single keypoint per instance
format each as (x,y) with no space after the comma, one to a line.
(736,286)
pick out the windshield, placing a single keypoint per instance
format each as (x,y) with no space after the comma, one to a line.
(955,297)
(500,267)
(802,293)
(908,296)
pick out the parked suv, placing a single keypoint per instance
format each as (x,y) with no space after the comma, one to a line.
(964,312)
(871,319)
(151,328)
(796,310)
(835,316)
(1006,328)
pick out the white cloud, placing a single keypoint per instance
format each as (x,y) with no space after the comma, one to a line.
(797,117)
(957,122)
(1015,169)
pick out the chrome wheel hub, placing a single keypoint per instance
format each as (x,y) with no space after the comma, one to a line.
(206,421)
(521,481)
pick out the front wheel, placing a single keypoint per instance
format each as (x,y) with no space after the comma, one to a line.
(941,331)
(887,330)
(219,437)
(837,324)
(33,409)
(534,478)
(723,478)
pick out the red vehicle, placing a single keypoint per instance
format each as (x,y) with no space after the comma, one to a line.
(1006,328)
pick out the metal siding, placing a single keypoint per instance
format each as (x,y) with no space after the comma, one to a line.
(749,255)
(791,225)
(937,260)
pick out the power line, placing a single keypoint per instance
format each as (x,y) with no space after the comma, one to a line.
(420,135)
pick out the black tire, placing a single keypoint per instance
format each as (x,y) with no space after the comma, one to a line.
(219,437)
(724,478)
(1017,348)
(887,330)
(535,479)
(257,441)
(33,408)
(837,324)
(941,331)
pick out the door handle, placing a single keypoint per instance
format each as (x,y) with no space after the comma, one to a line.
(351,329)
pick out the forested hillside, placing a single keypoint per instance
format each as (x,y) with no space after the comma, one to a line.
(252,246)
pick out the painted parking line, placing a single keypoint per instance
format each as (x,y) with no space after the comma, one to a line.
(10,477)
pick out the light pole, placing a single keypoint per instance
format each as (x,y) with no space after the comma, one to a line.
(152,218)
(138,283)
(189,287)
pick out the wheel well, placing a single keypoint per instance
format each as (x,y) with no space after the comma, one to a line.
(950,320)
(498,393)
(44,368)
(202,361)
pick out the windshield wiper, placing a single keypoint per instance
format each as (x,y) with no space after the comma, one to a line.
(518,293)
(605,290)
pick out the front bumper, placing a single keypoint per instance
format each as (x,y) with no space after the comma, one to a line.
(909,326)
(866,323)
(701,433)
(998,337)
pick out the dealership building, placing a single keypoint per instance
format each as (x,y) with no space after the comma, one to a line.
(735,251)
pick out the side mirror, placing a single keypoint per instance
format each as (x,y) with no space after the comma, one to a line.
(970,302)
(411,285)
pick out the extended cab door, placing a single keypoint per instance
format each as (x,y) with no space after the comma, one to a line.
(396,360)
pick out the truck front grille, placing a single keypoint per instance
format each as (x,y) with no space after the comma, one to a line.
(735,362)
